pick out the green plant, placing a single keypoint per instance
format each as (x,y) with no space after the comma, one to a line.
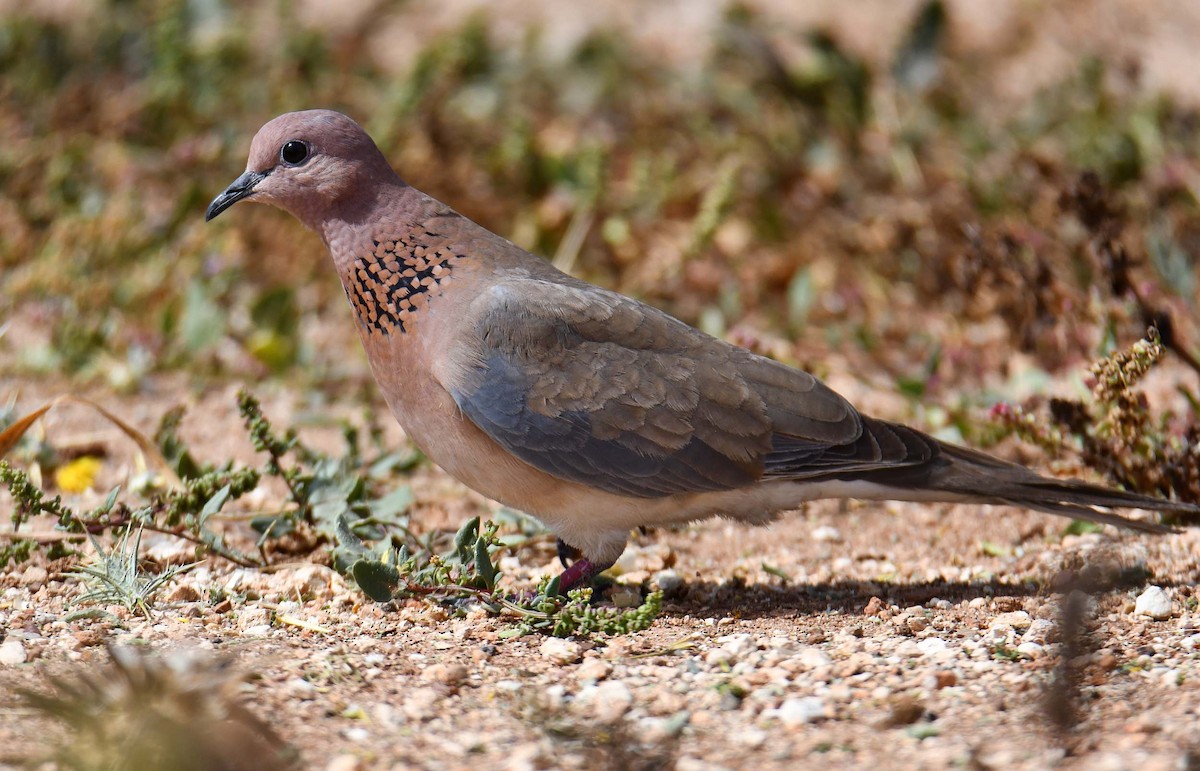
(1117,431)
(115,576)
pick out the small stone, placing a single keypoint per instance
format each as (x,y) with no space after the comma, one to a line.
(1031,649)
(345,763)
(610,701)
(718,657)
(421,704)
(751,737)
(450,674)
(827,534)
(12,653)
(624,596)
(904,710)
(593,669)
(932,646)
(874,607)
(258,630)
(553,697)
(1154,603)
(667,581)
(798,711)
(1016,619)
(306,582)
(1039,631)
(813,658)
(301,688)
(185,593)
(34,577)
(253,616)
(738,644)
(561,651)
(916,624)
(943,678)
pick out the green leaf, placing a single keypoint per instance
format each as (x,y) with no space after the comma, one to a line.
(392,505)
(274,526)
(465,538)
(377,579)
(1081,526)
(401,460)
(203,322)
(111,500)
(774,571)
(332,490)
(484,569)
(214,504)
(800,297)
(994,549)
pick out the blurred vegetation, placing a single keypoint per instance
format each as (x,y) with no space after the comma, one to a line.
(792,204)
(899,217)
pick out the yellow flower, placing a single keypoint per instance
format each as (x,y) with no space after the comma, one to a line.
(78,475)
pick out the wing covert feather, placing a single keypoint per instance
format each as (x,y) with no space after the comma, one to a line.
(596,388)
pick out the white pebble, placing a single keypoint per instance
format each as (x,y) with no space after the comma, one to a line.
(812,658)
(827,534)
(12,653)
(561,651)
(1154,603)
(932,646)
(667,581)
(301,688)
(344,763)
(593,669)
(800,711)
(1017,619)
(1030,649)
(609,700)
(1039,631)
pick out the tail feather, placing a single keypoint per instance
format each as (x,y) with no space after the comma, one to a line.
(982,477)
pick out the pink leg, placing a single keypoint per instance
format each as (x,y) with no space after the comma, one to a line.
(580,573)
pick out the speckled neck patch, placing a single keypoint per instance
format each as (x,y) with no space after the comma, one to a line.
(395,281)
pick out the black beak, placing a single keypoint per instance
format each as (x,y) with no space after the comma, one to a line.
(242,187)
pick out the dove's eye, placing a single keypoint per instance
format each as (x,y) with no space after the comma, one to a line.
(294,152)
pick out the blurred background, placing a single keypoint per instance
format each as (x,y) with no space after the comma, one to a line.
(886,191)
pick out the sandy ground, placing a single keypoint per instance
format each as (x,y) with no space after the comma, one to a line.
(904,636)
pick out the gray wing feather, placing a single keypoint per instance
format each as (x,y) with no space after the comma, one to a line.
(599,389)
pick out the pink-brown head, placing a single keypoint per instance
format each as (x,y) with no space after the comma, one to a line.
(313,164)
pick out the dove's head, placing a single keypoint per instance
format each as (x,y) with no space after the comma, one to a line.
(313,164)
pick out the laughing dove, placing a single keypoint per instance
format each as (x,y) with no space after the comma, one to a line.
(587,409)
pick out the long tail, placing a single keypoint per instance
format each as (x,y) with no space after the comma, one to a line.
(974,475)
